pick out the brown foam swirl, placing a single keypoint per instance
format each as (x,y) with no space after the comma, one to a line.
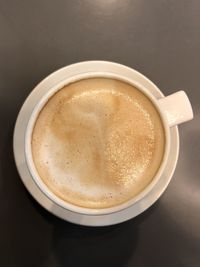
(98,142)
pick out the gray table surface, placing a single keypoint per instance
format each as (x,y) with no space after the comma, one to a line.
(159,38)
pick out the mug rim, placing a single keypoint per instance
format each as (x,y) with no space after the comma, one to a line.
(39,106)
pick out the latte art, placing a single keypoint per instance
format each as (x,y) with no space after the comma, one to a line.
(98,142)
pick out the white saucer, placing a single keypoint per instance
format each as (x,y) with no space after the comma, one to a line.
(19,133)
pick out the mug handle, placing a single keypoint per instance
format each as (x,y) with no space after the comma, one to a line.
(177,108)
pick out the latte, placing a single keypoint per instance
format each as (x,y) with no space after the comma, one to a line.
(98,142)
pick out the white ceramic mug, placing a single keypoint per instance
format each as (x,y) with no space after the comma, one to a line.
(173,110)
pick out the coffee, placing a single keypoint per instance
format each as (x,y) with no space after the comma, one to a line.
(98,142)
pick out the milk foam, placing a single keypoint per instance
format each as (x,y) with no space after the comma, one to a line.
(98,142)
